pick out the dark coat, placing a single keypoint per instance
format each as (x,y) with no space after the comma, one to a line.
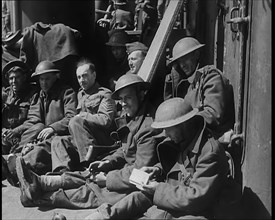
(16,107)
(195,177)
(59,108)
(47,42)
(210,91)
(138,151)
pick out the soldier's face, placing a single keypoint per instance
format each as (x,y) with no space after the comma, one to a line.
(86,78)
(174,133)
(17,80)
(129,100)
(135,59)
(188,63)
(47,80)
(119,53)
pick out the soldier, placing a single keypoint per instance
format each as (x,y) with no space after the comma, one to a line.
(204,88)
(91,126)
(118,63)
(109,178)
(51,109)
(136,54)
(50,112)
(15,108)
(190,182)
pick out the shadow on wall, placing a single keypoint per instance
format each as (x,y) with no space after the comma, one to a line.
(253,206)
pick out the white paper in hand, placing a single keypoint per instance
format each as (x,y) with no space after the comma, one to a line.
(139,178)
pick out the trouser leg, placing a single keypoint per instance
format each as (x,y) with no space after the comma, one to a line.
(64,154)
(39,158)
(68,180)
(83,197)
(30,134)
(86,133)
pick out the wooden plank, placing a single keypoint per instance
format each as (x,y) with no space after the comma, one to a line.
(158,45)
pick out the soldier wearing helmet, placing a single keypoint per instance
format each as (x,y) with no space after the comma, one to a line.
(204,88)
(17,103)
(117,64)
(49,115)
(191,178)
(112,172)
(52,107)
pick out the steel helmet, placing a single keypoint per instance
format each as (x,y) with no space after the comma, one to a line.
(12,64)
(172,112)
(118,38)
(128,80)
(45,67)
(185,46)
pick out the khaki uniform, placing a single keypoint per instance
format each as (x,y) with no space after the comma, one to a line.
(208,90)
(15,111)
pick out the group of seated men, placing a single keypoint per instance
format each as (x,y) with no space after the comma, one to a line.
(78,151)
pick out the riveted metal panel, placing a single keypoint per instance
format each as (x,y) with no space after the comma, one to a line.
(254,110)
(257,163)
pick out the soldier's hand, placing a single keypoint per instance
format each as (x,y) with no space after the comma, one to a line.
(45,133)
(150,187)
(9,134)
(100,179)
(152,171)
(103,22)
(97,166)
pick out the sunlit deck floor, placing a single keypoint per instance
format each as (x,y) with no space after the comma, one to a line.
(13,209)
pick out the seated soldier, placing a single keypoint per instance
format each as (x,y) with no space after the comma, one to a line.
(117,65)
(190,182)
(51,109)
(49,115)
(109,178)
(136,54)
(91,126)
(204,88)
(15,108)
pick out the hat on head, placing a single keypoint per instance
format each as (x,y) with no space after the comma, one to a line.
(185,46)
(129,79)
(172,112)
(118,38)
(45,67)
(130,47)
(14,63)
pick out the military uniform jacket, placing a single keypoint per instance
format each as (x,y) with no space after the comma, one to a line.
(15,109)
(208,90)
(54,109)
(194,177)
(96,105)
(138,151)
